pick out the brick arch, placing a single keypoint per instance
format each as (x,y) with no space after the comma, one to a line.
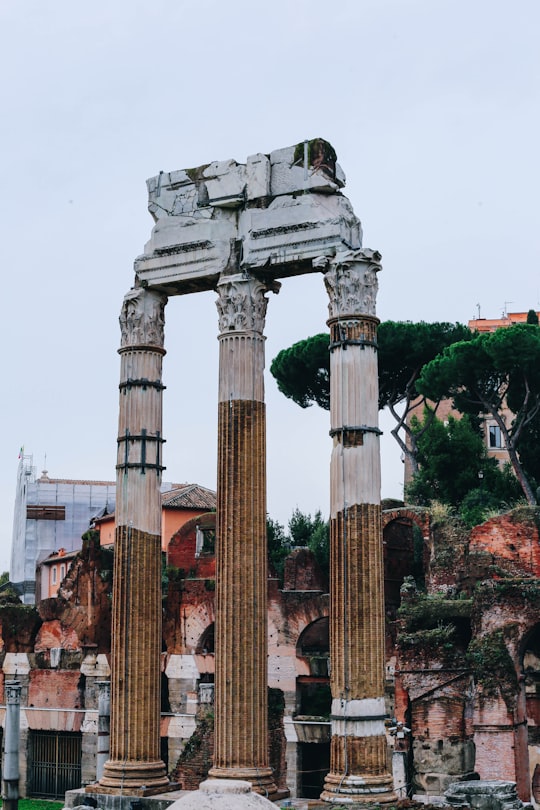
(528,663)
(196,623)
(206,642)
(205,521)
(400,554)
(309,613)
(530,641)
(313,695)
(181,551)
(321,624)
(419,516)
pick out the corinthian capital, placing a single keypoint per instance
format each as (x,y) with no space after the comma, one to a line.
(351,283)
(142,319)
(242,304)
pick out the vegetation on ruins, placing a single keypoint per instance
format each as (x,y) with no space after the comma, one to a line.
(303,530)
(20,625)
(302,371)
(433,623)
(493,667)
(441,638)
(525,591)
(317,149)
(487,375)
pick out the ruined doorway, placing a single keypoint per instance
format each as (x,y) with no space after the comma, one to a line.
(313,698)
(314,759)
(313,707)
(531,670)
(55,763)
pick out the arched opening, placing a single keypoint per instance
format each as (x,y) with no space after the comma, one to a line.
(204,656)
(313,706)
(531,671)
(206,641)
(165,701)
(313,689)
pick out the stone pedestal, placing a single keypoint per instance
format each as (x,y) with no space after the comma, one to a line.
(359,767)
(241,703)
(10,774)
(223,794)
(135,765)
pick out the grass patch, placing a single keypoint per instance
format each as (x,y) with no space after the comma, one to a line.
(38,804)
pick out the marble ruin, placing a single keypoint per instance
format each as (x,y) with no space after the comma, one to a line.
(237,229)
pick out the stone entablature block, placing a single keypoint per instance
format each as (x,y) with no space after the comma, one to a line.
(272,215)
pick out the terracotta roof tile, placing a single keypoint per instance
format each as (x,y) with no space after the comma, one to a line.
(189,496)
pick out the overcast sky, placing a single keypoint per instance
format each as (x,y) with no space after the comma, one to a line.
(433,109)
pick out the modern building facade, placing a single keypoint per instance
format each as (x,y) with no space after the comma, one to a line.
(50,514)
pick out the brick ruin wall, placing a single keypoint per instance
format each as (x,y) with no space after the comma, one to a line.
(482,598)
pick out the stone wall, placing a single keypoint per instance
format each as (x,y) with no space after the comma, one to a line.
(475,630)
(463,657)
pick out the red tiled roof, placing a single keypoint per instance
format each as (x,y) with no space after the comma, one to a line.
(189,496)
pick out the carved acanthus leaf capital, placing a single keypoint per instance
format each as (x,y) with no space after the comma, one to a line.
(242,304)
(142,319)
(351,283)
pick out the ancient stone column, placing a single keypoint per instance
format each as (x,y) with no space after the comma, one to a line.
(10,773)
(359,770)
(241,736)
(135,765)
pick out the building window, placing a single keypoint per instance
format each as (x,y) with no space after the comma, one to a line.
(54,575)
(62,571)
(205,541)
(495,437)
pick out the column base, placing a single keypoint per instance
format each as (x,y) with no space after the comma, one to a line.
(357,789)
(261,779)
(135,778)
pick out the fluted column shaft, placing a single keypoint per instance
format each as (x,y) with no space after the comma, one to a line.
(359,769)
(135,765)
(241,703)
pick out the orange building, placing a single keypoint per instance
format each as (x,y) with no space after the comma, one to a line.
(51,571)
(179,504)
(492,324)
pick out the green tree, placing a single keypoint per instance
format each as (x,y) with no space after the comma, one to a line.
(453,462)
(489,374)
(528,447)
(303,530)
(278,547)
(302,527)
(529,441)
(319,543)
(313,532)
(302,371)
(404,349)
